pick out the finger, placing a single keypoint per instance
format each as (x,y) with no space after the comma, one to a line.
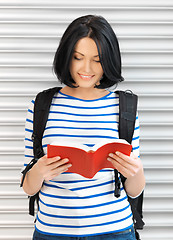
(120,160)
(59,163)
(125,170)
(55,172)
(121,165)
(119,155)
(126,157)
(49,161)
(62,169)
(123,156)
(120,168)
(126,160)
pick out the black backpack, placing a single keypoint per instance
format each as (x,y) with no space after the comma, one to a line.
(127,117)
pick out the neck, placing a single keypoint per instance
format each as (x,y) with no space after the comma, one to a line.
(84,93)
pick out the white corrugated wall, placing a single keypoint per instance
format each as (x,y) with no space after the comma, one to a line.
(29,34)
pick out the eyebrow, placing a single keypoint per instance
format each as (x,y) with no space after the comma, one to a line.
(83,54)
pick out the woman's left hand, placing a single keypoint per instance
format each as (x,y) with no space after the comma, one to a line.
(128,166)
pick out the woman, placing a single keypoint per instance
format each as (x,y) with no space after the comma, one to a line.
(87,61)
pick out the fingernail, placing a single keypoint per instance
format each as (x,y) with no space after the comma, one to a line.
(111,154)
(109,159)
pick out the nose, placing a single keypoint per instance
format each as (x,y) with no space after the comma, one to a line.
(87,66)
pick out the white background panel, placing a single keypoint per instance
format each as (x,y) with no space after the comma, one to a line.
(29,35)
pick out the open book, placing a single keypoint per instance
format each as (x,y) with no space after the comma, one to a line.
(87,161)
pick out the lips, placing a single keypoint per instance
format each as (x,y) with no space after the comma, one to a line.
(86,77)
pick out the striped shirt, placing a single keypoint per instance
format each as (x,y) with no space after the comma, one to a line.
(70,204)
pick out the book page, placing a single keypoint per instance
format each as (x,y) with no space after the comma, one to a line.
(71,144)
(85,147)
(105,141)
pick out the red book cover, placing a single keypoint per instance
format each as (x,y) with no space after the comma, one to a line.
(88,161)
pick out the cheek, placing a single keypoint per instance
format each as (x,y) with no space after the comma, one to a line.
(97,67)
(74,67)
(100,70)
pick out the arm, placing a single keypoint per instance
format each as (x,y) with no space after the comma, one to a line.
(131,167)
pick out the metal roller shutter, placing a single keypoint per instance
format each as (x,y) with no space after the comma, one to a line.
(29,35)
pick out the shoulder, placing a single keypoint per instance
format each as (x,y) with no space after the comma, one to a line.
(48,92)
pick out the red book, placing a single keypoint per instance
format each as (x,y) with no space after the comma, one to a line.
(88,161)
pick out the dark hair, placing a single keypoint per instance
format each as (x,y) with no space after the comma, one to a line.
(98,29)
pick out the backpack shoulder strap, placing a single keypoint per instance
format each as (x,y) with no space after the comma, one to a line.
(41,111)
(127,117)
(127,114)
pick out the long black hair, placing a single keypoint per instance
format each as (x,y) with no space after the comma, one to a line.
(98,29)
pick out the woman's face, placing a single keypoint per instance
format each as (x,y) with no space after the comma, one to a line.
(85,67)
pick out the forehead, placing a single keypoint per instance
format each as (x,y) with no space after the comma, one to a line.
(86,46)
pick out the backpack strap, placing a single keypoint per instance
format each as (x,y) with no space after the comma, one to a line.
(41,111)
(127,114)
(127,118)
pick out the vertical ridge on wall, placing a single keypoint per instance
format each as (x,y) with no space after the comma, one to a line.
(29,35)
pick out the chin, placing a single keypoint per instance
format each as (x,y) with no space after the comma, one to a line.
(87,86)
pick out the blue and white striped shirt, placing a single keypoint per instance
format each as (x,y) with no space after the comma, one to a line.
(70,204)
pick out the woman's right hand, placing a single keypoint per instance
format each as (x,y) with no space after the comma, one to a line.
(44,169)
(48,168)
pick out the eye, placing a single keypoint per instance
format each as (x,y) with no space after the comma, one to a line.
(77,58)
(96,59)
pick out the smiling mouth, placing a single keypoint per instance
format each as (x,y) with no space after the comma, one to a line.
(86,77)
